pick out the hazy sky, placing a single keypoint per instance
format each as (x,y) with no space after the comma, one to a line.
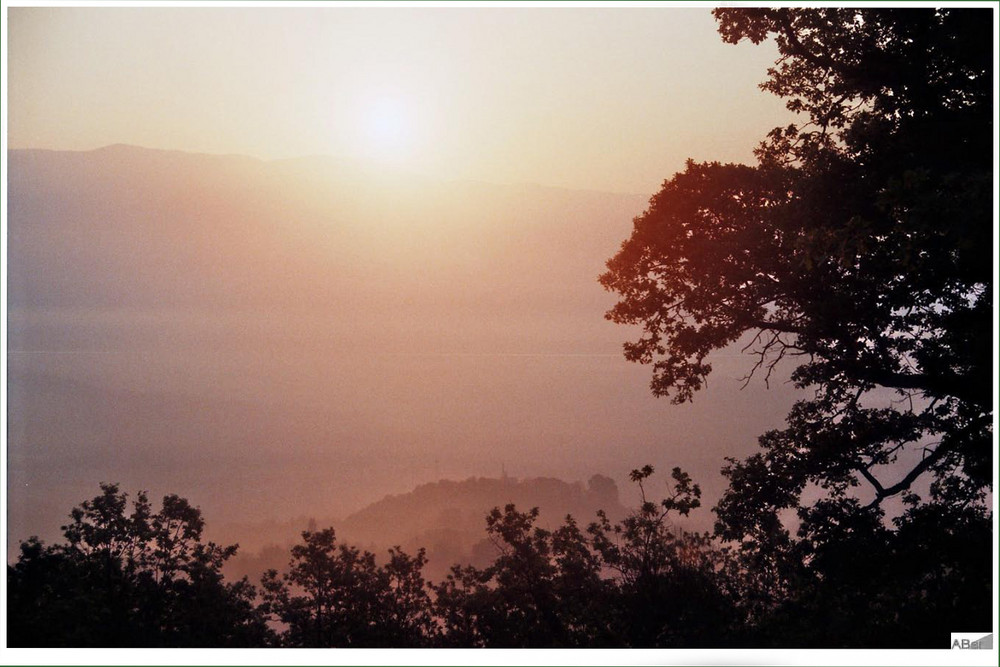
(600,98)
(292,336)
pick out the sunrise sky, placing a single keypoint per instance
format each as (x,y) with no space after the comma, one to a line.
(276,337)
(601,98)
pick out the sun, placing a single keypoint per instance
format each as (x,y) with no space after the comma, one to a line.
(388,127)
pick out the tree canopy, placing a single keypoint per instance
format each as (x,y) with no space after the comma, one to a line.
(130,578)
(146,579)
(858,248)
(336,595)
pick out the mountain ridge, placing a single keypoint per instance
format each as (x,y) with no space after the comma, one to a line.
(325,160)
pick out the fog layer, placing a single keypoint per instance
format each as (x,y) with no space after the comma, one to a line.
(303,337)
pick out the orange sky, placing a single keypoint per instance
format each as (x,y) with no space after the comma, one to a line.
(600,98)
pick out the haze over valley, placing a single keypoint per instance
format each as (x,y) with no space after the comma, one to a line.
(302,337)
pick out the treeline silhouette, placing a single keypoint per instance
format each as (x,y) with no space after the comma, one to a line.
(126,576)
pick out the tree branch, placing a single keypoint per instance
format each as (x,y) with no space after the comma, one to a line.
(881,492)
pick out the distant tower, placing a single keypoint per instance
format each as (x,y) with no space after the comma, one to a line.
(503,474)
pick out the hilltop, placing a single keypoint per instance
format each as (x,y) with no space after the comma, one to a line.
(445,517)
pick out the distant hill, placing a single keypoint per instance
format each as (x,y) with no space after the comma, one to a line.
(447,518)
(462,506)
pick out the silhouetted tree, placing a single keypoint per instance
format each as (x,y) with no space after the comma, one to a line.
(335,595)
(852,579)
(464,605)
(859,245)
(585,595)
(668,586)
(513,601)
(134,578)
(637,583)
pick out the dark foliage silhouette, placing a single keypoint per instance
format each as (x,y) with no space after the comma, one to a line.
(134,578)
(859,246)
(637,583)
(670,591)
(146,580)
(335,595)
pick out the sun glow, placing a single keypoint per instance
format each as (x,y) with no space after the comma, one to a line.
(388,130)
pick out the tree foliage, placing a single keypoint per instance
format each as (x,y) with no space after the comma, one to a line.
(638,583)
(856,255)
(859,246)
(130,578)
(335,595)
(543,589)
(145,579)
